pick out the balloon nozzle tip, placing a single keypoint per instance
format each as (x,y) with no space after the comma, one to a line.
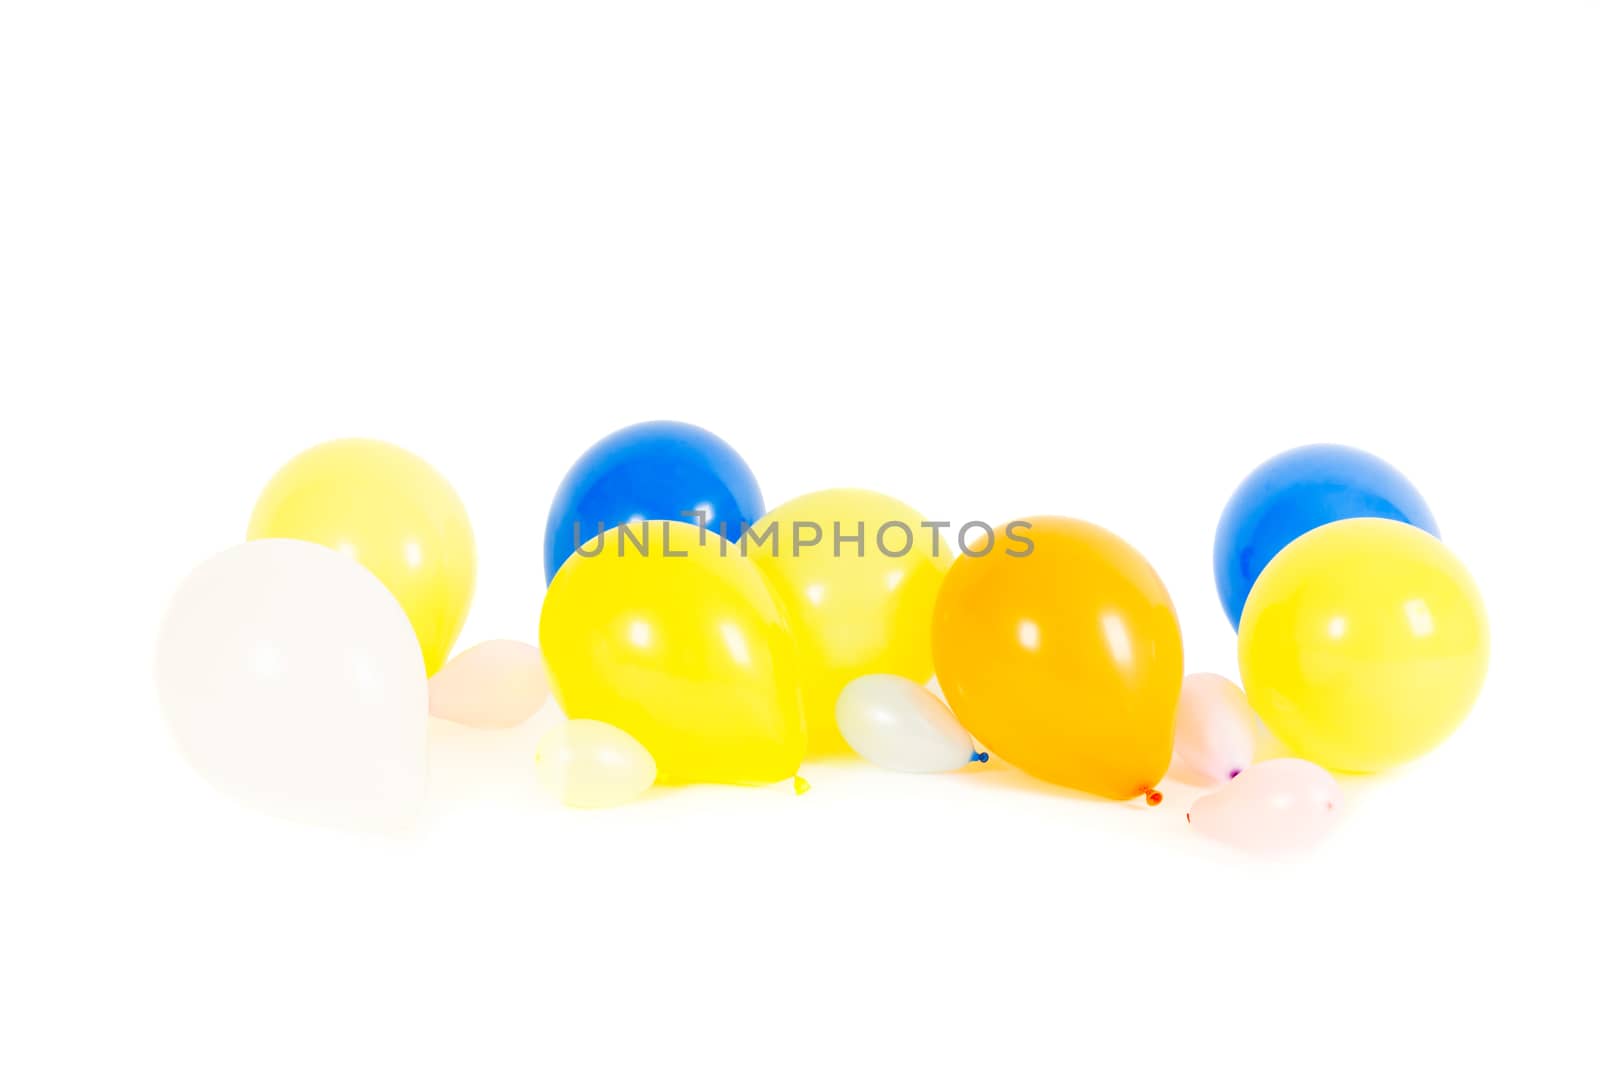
(800,786)
(980,758)
(1152,797)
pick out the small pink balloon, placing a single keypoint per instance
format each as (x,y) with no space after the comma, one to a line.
(1216,737)
(1272,806)
(494,684)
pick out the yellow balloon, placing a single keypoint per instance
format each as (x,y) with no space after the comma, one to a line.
(856,607)
(1363,644)
(387,509)
(665,631)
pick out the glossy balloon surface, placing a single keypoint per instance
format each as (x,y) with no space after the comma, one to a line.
(1297,491)
(1270,807)
(291,678)
(588,764)
(1065,662)
(898,724)
(854,608)
(493,684)
(660,470)
(1216,737)
(1364,644)
(690,654)
(388,510)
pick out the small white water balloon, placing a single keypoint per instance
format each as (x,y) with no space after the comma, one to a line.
(1216,730)
(900,725)
(494,684)
(1270,807)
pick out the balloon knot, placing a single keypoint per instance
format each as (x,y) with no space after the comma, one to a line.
(1152,797)
(980,758)
(800,786)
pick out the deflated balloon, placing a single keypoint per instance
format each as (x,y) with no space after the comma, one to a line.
(664,631)
(388,510)
(857,574)
(1065,661)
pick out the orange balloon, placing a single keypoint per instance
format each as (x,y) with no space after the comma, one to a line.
(1065,662)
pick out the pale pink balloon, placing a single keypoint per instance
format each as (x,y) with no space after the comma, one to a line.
(1270,807)
(494,684)
(1216,737)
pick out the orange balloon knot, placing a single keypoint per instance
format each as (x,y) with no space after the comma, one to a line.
(1152,797)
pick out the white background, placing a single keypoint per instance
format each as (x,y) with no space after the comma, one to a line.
(995,259)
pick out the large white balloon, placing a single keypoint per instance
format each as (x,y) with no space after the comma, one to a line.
(292,678)
(898,724)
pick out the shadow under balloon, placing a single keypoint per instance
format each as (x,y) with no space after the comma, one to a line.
(998,775)
(1166,821)
(470,764)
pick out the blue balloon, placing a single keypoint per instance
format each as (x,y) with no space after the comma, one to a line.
(659,470)
(1297,491)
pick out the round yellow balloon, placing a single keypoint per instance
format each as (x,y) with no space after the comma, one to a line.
(1363,644)
(387,509)
(857,573)
(665,631)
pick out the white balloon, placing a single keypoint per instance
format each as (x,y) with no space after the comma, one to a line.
(1270,807)
(1215,737)
(292,678)
(897,724)
(588,764)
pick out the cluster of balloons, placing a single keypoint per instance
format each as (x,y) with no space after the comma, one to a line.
(294,668)
(692,636)
(1363,640)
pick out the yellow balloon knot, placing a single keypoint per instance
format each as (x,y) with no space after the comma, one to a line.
(800,786)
